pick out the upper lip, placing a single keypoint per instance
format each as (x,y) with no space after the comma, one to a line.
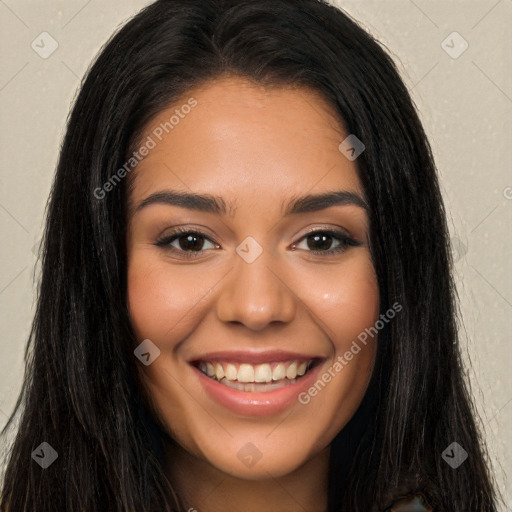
(239,356)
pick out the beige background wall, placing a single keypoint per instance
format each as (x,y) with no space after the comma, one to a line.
(465,102)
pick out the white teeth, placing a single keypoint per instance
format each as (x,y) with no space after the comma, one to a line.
(291,371)
(263,373)
(279,372)
(219,371)
(230,372)
(246,373)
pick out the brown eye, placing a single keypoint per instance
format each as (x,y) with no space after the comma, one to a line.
(321,241)
(190,242)
(186,242)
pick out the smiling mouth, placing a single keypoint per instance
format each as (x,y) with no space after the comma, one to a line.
(256,377)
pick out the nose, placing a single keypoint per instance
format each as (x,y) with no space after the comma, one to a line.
(255,294)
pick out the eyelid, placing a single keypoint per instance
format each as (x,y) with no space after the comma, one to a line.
(328,229)
(164,240)
(192,228)
(346,239)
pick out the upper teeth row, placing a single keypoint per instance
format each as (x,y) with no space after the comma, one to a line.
(266,372)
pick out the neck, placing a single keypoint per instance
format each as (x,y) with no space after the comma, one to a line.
(204,488)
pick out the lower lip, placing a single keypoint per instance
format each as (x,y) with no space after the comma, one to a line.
(253,403)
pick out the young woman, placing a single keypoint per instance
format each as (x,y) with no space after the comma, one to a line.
(246,300)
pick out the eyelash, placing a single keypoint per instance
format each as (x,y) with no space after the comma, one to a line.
(346,241)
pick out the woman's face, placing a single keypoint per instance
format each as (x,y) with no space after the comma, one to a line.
(266,279)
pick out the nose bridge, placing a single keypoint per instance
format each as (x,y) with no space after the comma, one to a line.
(255,294)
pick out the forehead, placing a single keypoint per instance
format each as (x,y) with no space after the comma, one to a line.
(246,143)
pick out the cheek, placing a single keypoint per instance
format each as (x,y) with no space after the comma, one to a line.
(163,307)
(346,303)
(346,298)
(158,300)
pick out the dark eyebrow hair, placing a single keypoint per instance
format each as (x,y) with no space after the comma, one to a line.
(313,203)
(215,204)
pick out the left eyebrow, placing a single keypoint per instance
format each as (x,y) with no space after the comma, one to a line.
(217,205)
(314,203)
(202,202)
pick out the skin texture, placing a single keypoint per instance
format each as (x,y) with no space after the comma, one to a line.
(256,148)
